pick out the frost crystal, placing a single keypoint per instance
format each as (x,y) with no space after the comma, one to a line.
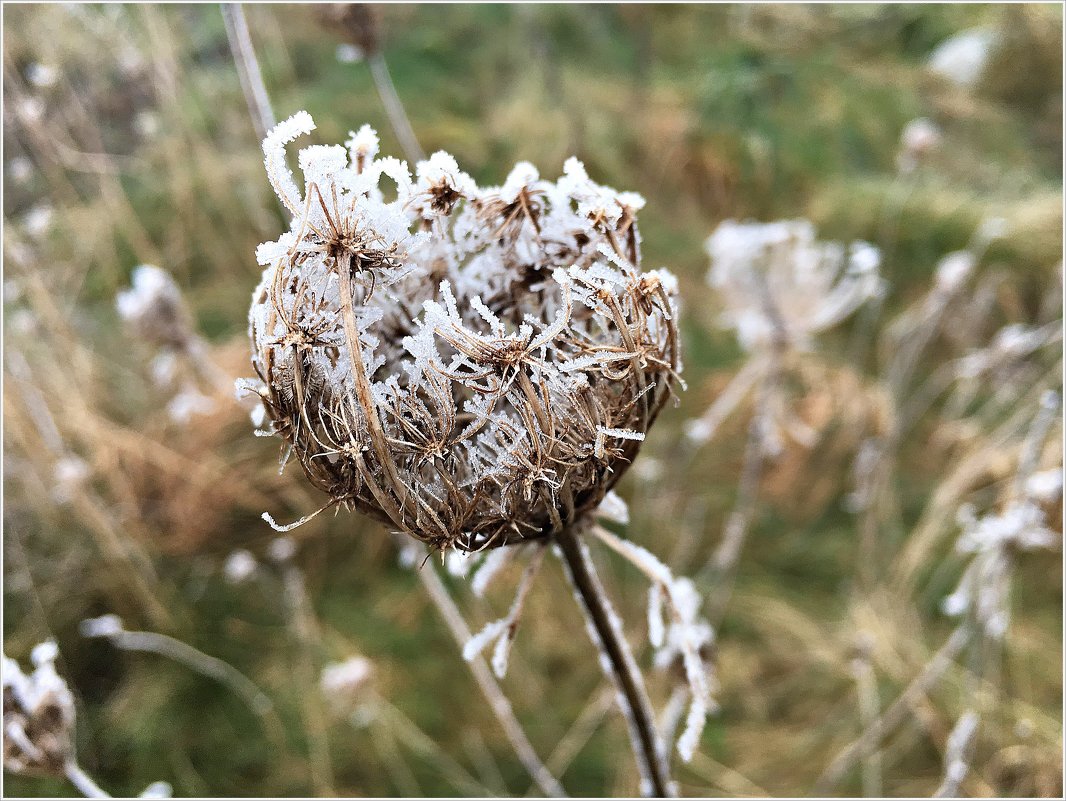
(474,366)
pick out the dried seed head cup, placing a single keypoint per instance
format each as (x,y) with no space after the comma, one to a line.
(38,716)
(474,366)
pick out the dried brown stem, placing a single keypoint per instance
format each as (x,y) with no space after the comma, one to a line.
(607,635)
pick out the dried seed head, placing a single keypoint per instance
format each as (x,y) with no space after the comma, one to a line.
(781,286)
(471,365)
(38,716)
(155,309)
(355,23)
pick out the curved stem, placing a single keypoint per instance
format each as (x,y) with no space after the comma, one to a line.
(81,780)
(205,665)
(606,632)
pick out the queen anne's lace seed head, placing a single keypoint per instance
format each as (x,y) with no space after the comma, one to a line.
(473,366)
(155,309)
(38,716)
(781,286)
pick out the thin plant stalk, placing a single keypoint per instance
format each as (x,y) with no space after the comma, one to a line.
(606,632)
(498,702)
(303,625)
(212,667)
(580,730)
(394,763)
(240,43)
(407,732)
(869,703)
(895,714)
(401,125)
(83,782)
(720,569)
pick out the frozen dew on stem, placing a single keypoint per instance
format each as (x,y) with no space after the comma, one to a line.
(344,683)
(239,566)
(473,366)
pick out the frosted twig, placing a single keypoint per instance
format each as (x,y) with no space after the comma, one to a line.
(957,755)
(722,564)
(83,782)
(685,638)
(1034,439)
(503,630)
(704,428)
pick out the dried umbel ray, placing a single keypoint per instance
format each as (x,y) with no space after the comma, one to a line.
(472,366)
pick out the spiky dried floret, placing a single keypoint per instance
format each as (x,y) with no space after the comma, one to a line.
(472,366)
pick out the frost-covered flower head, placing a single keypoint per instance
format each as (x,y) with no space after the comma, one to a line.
(992,540)
(38,715)
(155,309)
(473,366)
(780,286)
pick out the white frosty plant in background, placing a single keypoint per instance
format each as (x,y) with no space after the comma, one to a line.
(780,287)
(343,683)
(39,724)
(155,311)
(38,716)
(920,137)
(990,541)
(778,283)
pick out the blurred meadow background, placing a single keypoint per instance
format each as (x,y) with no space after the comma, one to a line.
(127,140)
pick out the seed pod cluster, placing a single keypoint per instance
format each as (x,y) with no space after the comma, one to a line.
(474,366)
(38,716)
